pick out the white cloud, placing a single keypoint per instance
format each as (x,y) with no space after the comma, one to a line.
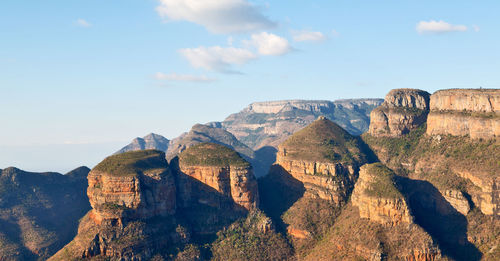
(303,36)
(83,23)
(183,77)
(217,58)
(270,44)
(218,16)
(438,27)
(476,28)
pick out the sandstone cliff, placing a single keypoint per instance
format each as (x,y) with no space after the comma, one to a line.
(465,112)
(378,198)
(324,157)
(219,169)
(133,200)
(403,110)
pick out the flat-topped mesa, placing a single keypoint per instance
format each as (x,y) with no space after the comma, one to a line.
(378,198)
(403,110)
(131,185)
(213,174)
(465,112)
(324,157)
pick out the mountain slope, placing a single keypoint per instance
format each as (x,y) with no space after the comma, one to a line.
(39,212)
(149,142)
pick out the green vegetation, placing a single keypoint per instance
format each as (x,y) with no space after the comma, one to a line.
(211,154)
(247,240)
(132,162)
(383,184)
(324,140)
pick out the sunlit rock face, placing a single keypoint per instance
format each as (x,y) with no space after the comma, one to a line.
(132,185)
(403,110)
(471,112)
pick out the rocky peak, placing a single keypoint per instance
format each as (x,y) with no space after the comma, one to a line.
(323,157)
(131,185)
(378,198)
(217,171)
(150,141)
(403,110)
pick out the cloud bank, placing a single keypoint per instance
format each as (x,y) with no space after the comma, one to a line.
(183,77)
(217,16)
(438,27)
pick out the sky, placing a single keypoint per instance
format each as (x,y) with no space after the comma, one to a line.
(79,79)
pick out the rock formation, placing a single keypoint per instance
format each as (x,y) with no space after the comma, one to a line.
(324,157)
(465,112)
(403,110)
(149,142)
(264,124)
(210,167)
(133,199)
(134,185)
(378,198)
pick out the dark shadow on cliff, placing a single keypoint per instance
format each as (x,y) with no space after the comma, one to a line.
(202,208)
(433,213)
(371,157)
(264,158)
(278,191)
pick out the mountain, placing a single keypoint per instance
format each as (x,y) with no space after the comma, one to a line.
(264,124)
(200,133)
(39,212)
(150,141)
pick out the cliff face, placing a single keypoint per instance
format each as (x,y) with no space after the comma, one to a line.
(125,191)
(377,197)
(226,176)
(142,193)
(324,158)
(264,124)
(403,110)
(474,113)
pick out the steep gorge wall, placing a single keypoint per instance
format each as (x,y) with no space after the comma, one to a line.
(472,112)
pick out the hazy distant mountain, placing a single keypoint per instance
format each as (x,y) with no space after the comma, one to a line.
(150,141)
(39,212)
(269,123)
(203,133)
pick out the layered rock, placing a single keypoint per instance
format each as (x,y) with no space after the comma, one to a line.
(132,185)
(264,124)
(465,112)
(457,200)
(133,197)
(378,198)
(324,157)
(211,174)
(403,110)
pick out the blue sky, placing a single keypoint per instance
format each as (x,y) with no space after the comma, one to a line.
(94,74)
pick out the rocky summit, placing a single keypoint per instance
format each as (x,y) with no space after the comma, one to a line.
(149,142)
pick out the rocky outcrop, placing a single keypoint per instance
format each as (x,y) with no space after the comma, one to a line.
(403,110)
(457,200)
(378,198)
(149,142)
(143,189)
(211,174)
(133,199)
(323,157)
(264,124)
(465,112)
